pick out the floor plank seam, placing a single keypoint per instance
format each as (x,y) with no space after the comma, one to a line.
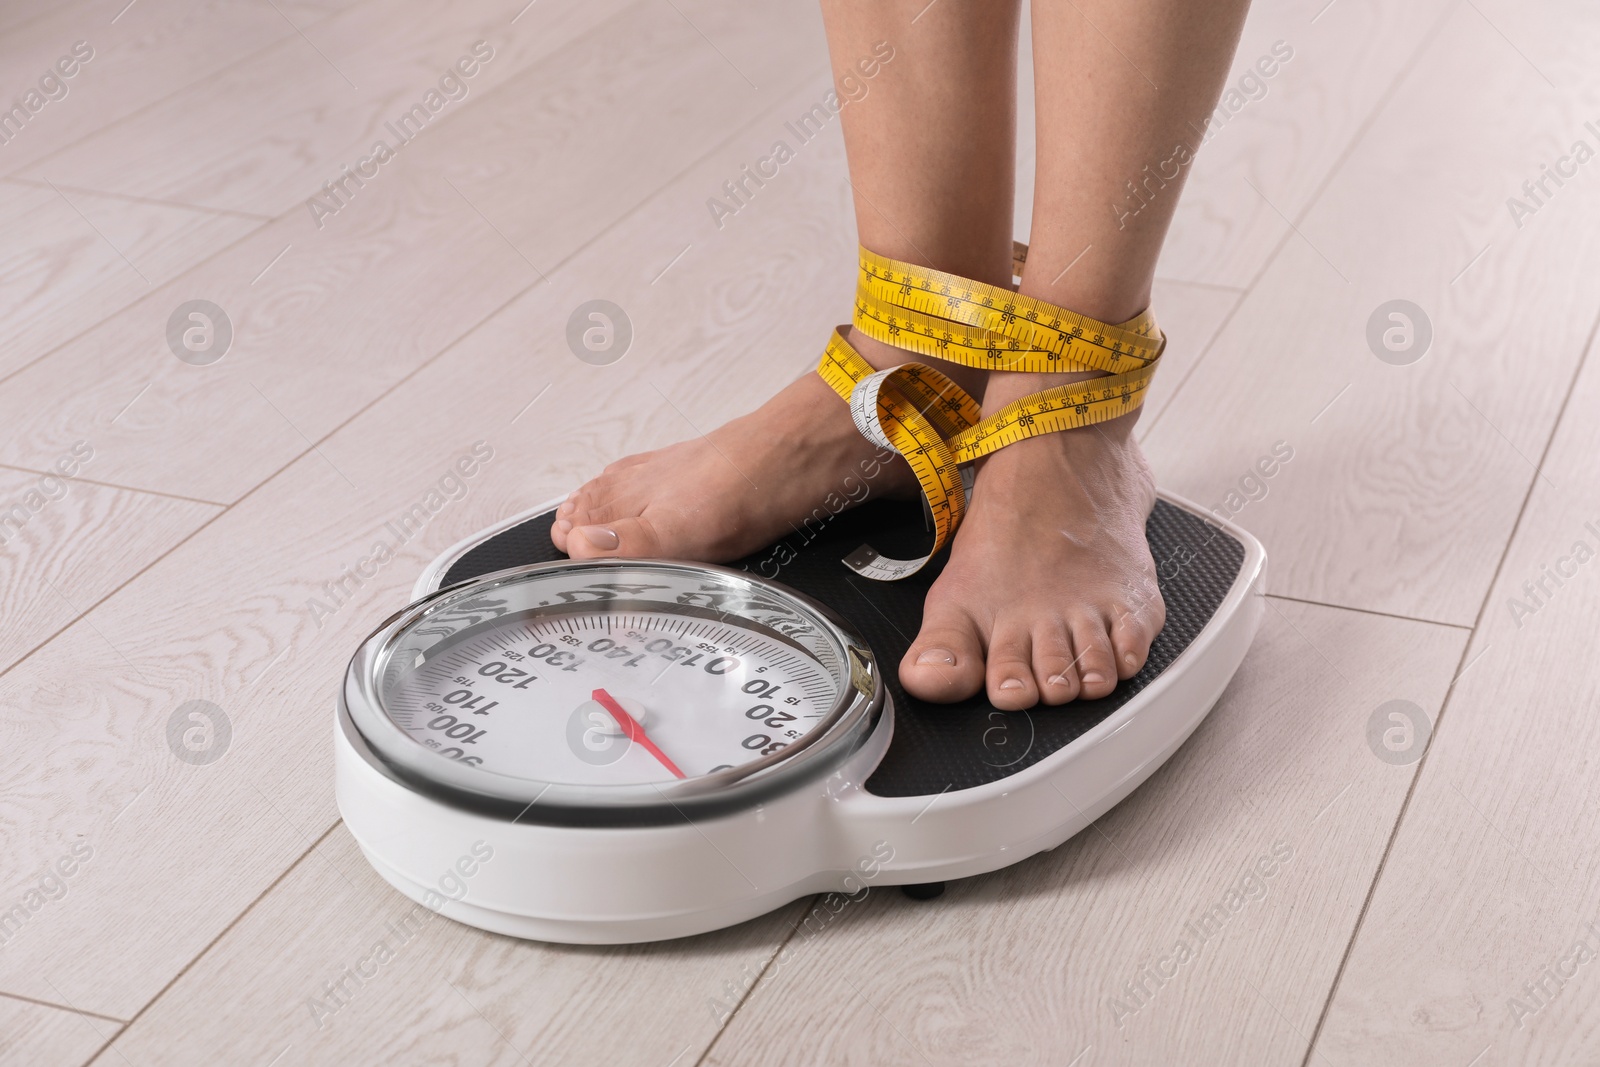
(213,942)
(113,313)
(738,131)
(1216,336)
(116,486)
(8,668)
(1316,195)
(1444,705)
(46,13)
(34,183)
(62,1007)
(247,57)
(1370,611)
(1218,286)
(672,179)
(748,993)
(439,121)
(266,220)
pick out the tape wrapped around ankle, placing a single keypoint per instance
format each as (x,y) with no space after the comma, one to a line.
(864,408)
(932,422)
(915,411)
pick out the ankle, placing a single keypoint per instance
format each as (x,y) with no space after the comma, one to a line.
(1104,296)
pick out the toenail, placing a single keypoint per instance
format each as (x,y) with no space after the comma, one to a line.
(941,656)
(1130,659)
(1092,678)
(563,525)
(567,507)
(601,537)
(1060,679)
(1011,683)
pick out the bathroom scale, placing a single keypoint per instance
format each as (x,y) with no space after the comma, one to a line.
(618,750)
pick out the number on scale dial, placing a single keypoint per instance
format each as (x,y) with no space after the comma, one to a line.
(600,698)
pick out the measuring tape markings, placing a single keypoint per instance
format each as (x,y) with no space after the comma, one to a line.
(895,297)
(933,422)
(1024,345)
(914,410)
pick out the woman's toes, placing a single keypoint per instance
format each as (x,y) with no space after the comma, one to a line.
(619,537)
(1010,670)
(945,662)
(1097,667)
(573,511)
(579,503)
(1131,635)
(1053,670)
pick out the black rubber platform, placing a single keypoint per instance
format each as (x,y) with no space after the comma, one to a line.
(940,747)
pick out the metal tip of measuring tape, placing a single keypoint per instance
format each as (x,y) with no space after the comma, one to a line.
(870,563)
(861,557)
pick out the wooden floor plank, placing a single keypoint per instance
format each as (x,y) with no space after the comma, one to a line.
(1287,131)
(1190,317)
(1032,965)
(1275,139)
(65,544)
(393,277)
(1406,479)
(20,12)
(38,1035)
(445,993)
(139,54)
(104,743)
(314,337)
(264,135)
(1470,946)
(71,258)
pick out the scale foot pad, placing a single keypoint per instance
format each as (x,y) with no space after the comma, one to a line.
(923,890)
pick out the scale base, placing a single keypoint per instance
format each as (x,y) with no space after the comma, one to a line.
(937,792)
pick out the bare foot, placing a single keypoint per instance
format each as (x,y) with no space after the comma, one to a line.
(739,488)
(1050,592)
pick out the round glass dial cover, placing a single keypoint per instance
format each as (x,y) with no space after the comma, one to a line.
(605,681)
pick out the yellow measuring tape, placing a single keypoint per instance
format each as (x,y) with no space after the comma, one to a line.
(934,423)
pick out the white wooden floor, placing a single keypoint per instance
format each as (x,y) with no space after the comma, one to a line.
(1440,911)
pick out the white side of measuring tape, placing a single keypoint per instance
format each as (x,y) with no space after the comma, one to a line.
(864,408)
(865,560)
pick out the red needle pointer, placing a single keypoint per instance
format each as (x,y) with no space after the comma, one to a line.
(635,732)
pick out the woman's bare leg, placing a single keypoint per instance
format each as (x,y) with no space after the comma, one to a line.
(932,145)
(1048,595)
(930,136)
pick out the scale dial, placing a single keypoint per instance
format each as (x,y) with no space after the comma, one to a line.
(612,686)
